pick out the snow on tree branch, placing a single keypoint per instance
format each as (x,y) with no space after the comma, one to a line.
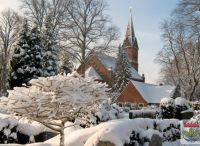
(55,97)
(54,100)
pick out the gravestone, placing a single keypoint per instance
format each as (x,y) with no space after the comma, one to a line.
(156,140)
(44,136)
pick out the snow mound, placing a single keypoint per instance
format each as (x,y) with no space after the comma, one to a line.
(181,102)
(119,132)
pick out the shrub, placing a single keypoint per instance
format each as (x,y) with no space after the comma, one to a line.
(181,104)
(167,108)
(170,108)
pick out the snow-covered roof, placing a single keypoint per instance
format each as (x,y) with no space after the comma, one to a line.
(135,74)
(107,60)
(110,62)
(153,93)
(91,73)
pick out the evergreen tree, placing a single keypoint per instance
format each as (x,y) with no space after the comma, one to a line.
(177,91)
(122,71)
(19,57)
(35,52)
(66,65)
(117,71)
(26,62)
(50,51)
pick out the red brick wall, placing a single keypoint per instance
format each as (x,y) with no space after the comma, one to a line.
(131,94)
(99,67)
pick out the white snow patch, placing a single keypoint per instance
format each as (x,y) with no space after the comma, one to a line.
(167,101)
(23,125)
(135,74)
(181,102)
(116,131)
(92,73)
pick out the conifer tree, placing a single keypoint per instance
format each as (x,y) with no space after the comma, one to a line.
(117,71)
(50,51)
(26,62)
(19,57)
(122,71)
(35,51)
(177,91)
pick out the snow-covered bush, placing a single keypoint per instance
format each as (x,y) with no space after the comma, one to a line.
(167,101)
(181,104)
(126,132)
(173,108)
(195,105)
(55,100)
(21,131)
(104,112)
(167,108)
(108,112)
(170,130)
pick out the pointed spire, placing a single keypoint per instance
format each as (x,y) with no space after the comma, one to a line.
(130,35)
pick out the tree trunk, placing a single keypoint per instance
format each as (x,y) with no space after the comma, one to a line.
(4,88)
(62,135)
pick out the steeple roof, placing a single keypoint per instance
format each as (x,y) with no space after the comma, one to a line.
(130,35)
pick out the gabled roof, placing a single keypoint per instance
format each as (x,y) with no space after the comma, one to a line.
(110,62)
(153,93)
(92,73)
(107,60)
(135,74)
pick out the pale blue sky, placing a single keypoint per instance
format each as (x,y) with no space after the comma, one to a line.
(147,17)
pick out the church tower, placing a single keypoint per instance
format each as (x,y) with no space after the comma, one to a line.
(130,43)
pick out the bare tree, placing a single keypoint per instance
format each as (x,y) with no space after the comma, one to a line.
(88,28)
(180,55)
(37,10)
(9,21)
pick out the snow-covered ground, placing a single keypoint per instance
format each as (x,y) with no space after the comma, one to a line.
(115,131)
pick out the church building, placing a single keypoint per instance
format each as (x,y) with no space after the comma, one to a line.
(100,67)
